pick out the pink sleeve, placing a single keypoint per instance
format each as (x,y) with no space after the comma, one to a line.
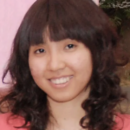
(8,124)
(123,122)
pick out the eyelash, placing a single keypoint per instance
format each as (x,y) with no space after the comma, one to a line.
(69,46)
(72,46)
(39,51)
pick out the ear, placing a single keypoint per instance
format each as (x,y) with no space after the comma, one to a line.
(96,1)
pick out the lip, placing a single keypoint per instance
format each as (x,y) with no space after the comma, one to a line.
(61,77)
(60,85)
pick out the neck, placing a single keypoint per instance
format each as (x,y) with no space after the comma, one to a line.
(67,115)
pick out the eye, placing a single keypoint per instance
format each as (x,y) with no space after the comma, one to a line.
(70,46)
(39,51)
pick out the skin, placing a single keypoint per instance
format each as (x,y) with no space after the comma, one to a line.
(54,59)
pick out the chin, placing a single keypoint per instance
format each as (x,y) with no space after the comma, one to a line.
(61,99)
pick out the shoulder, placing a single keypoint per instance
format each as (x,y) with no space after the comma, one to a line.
(123,121)
(9,123)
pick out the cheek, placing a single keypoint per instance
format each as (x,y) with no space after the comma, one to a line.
(36,68)
(83,68)
(35,72)
(81,62)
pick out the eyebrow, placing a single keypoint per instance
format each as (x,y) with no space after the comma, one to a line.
(44,43)
(39,43)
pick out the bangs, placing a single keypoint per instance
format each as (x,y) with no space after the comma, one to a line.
(61,20)
(58,20)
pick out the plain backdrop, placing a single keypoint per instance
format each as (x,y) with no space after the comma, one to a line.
(11,15)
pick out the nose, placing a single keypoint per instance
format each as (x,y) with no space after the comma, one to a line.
(56,62)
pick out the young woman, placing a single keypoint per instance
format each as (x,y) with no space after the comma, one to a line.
(63,70)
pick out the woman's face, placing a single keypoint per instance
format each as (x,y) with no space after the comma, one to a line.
(61,69)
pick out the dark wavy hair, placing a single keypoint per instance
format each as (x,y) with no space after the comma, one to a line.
(80,20)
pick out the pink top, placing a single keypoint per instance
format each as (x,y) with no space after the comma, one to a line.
(123,122)
(6,124)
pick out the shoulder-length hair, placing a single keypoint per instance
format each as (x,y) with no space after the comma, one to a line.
(80,20)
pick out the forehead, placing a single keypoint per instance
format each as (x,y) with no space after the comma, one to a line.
(48,41)
(50,37)
(46,36)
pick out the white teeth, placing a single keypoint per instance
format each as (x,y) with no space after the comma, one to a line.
(60,80)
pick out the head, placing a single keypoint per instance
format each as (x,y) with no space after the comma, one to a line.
(72,39)
(56,21)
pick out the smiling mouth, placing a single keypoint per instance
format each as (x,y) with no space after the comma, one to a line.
(60,81)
